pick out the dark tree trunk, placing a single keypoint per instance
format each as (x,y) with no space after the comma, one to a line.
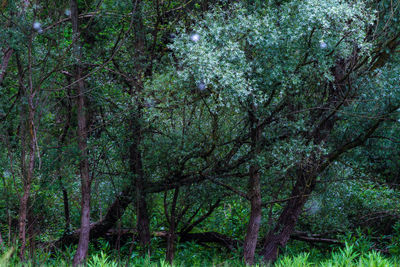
(172,221)
(61,142)
(136,168)
(66,209)
(83,244)
(254,193)
(170,253)
(253,227)
(143,222)
(279,236)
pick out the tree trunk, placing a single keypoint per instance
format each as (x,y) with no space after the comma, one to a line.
(254,192)
(83,244)
(170,245)
(61,142)
(27,171)
(136,168)
(253,227)
(6,58)
(171,218)
(283,229)
(143,222)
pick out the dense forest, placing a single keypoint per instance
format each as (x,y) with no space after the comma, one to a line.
(200,132)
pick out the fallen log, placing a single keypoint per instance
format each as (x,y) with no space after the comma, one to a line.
(200,238)
(317,240)
(206,237)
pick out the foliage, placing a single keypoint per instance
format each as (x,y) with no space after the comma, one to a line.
(183,100)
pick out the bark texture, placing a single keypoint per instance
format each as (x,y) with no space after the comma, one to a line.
(135,156)
(27,166)
(254,193)
(286,223)
(83,244)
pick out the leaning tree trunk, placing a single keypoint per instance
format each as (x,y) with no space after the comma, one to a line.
(83,244)
(279,236)
(254,192)
(100,228)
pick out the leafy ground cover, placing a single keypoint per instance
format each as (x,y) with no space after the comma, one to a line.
(345,257)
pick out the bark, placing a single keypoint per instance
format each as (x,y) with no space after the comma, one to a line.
(135,160)
(135,157)
(254,192)
(253,227)
(27,169)
(23,210)
(172,220)
(279,236)
(66,208)
(83,244)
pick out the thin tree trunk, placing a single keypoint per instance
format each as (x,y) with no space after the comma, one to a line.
(172,226)
(6,58)
(61,142)
(66,209)
(254,192)
(9,226)
(83,244)
(27,171)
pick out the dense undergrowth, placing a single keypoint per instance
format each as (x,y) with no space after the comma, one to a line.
(347,256)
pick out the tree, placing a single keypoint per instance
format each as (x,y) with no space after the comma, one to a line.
(303,63)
